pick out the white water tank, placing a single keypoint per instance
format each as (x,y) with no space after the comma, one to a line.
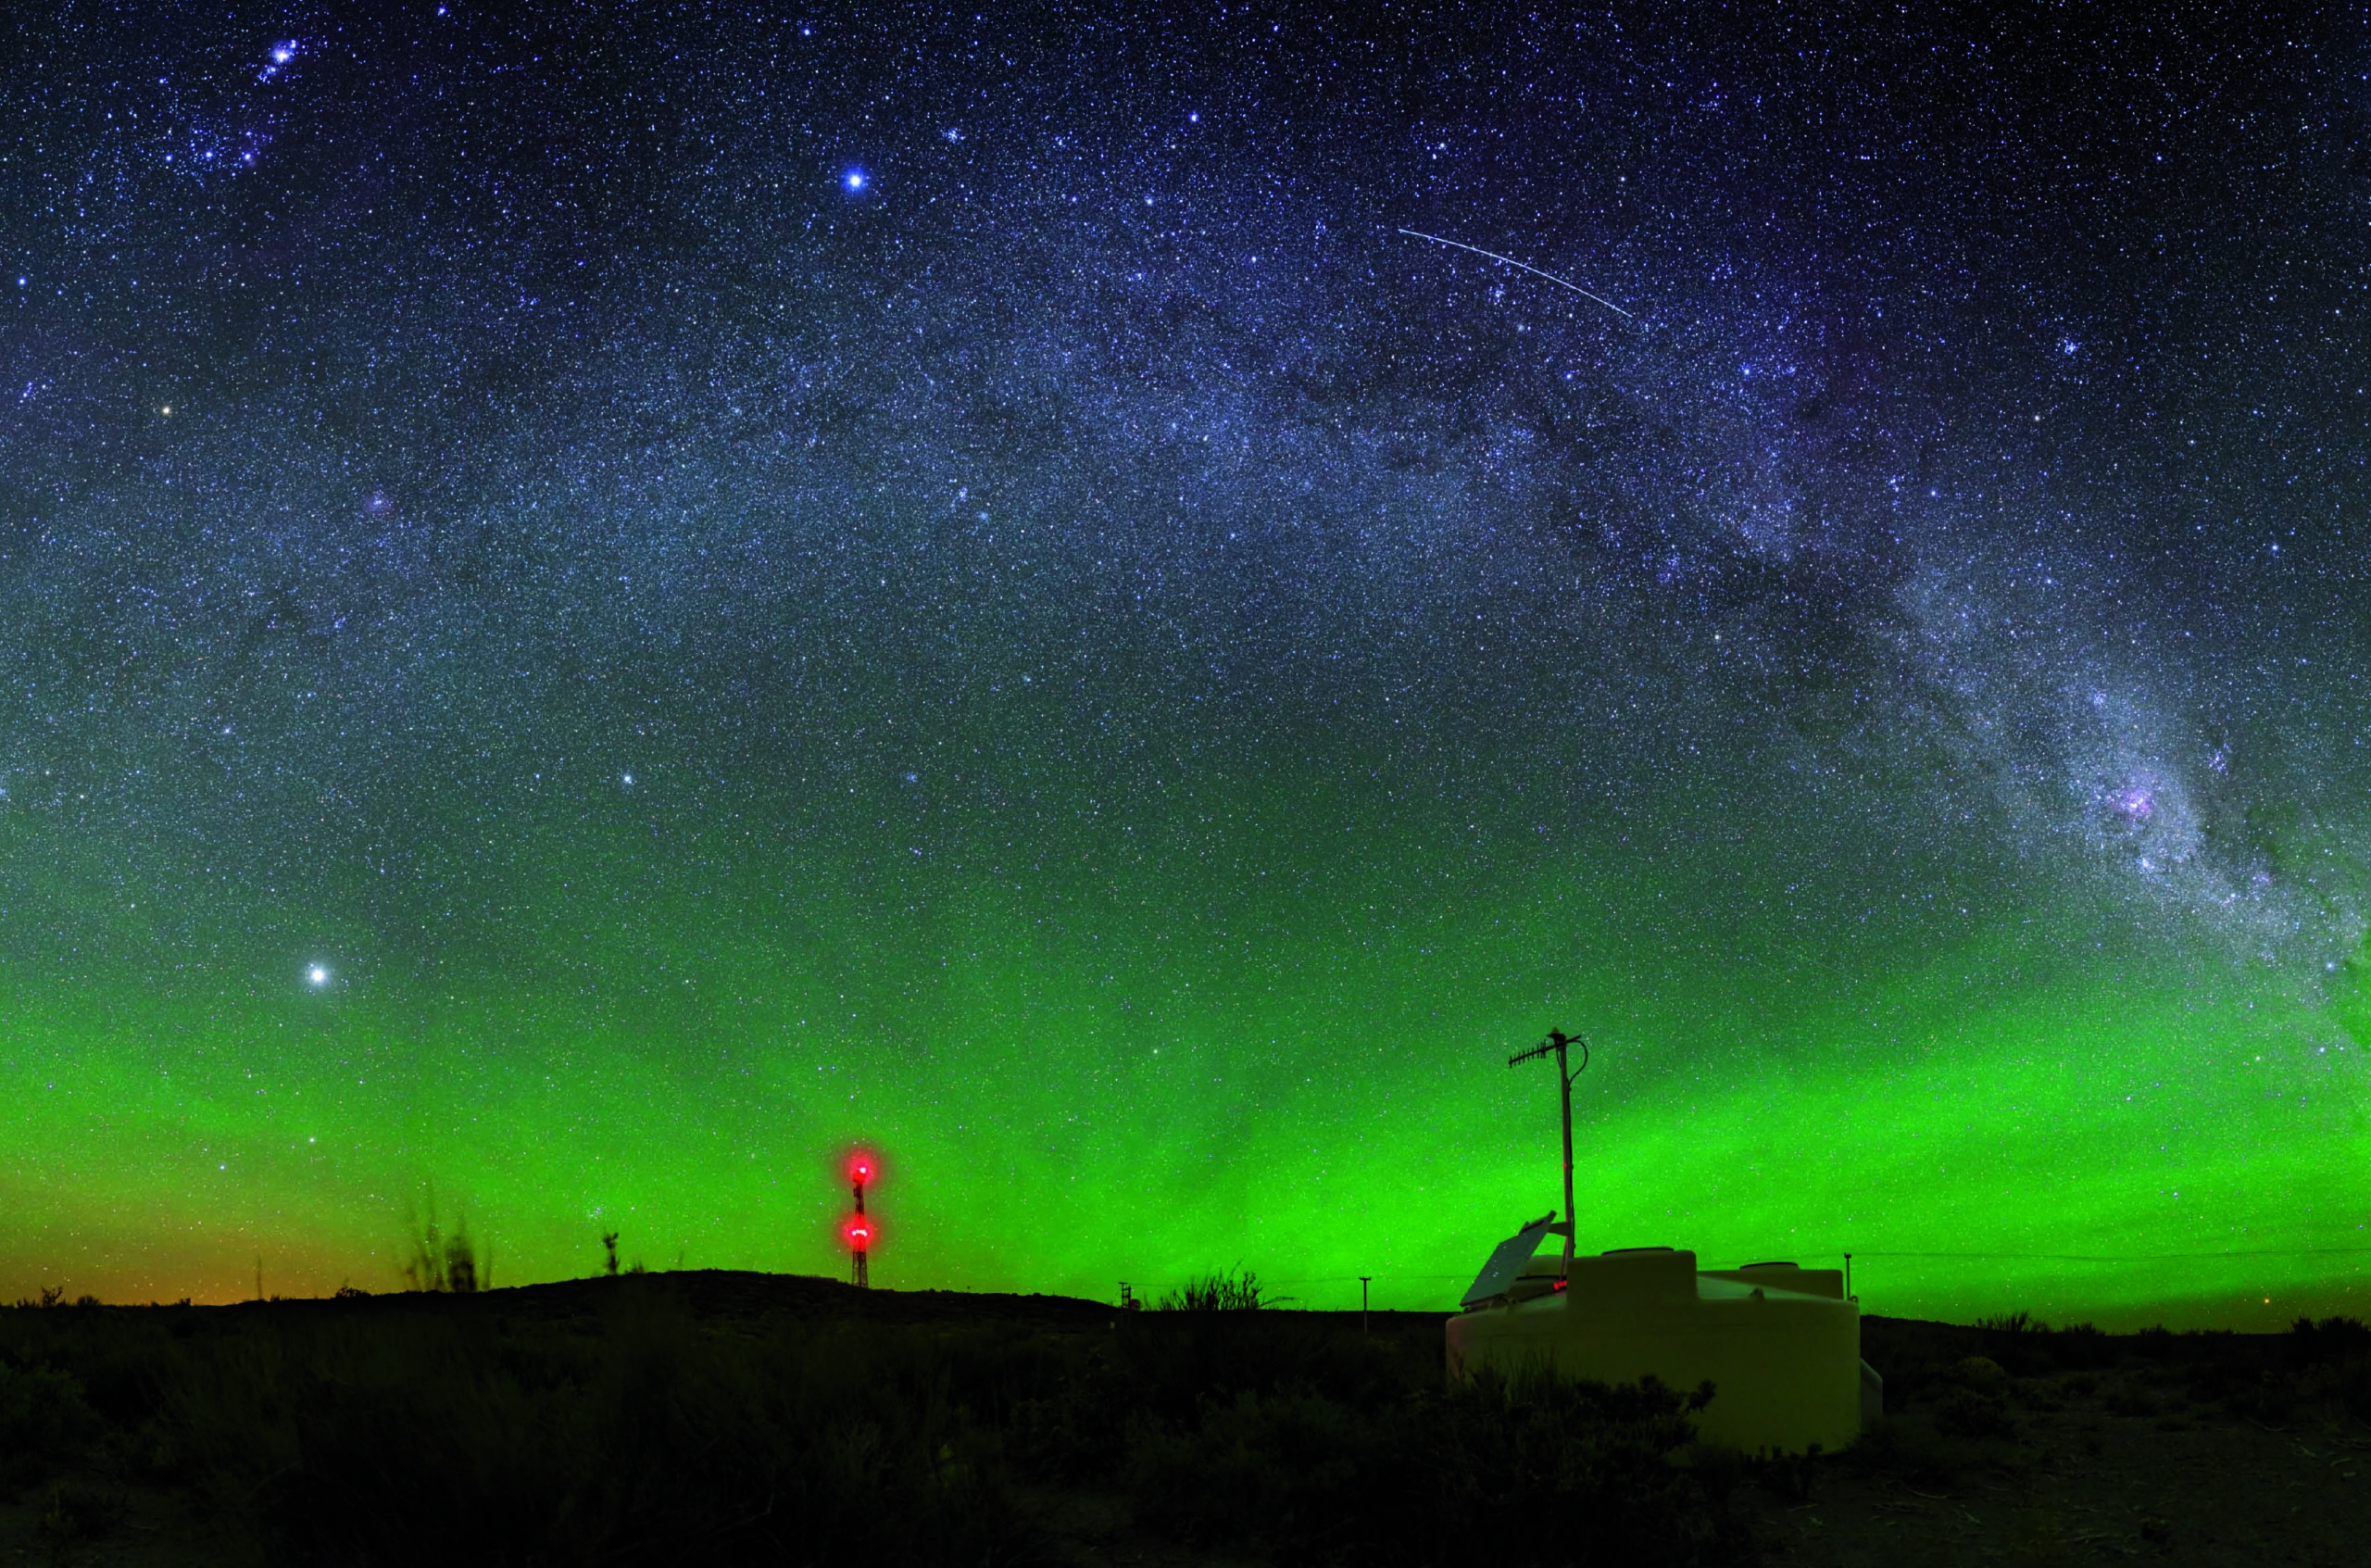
(1780,1343)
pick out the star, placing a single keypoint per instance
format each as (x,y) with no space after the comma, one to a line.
(1428,650)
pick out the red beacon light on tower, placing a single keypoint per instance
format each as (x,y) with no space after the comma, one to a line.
(857,1230)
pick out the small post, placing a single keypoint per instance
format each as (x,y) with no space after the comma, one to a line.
(1848,1278)
(1363,1301)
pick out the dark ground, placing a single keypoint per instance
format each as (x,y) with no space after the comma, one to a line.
(2176,1448)
(291,1431)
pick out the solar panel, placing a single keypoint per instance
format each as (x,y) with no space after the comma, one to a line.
(1506,1262)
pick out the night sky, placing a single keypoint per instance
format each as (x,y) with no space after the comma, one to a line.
(594,609)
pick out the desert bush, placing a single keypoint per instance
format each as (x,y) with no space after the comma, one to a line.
(436,1261)
(1912,1451)
(1073,1419)
(2332,1339)
(1981,1373)
(427,1440)
(1304,1478)
(2321,1371)
(1216,1293)
(1279,1435)
(43,1412)
(1595,1460)
(74,1513)
(2012,1322)
(1075,1423)
(442,1427)
(1970,1412)
(1285,1471)
(2126,1397)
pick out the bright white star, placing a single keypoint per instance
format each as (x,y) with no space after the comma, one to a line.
(318,976)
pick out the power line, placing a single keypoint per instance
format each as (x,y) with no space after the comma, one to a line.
(2118,1256)
(1352,1279)
(1962,1256)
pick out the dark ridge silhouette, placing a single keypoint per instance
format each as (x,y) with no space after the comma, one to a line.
(724,1417)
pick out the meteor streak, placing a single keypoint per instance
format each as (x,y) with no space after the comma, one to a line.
(1559,282)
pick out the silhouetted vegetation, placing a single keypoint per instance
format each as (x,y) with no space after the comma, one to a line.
(1974,1388)
(2319,1369)
(430,1428)
(728,1419)
(452,1264)
(1234,1292)
(1292,1436)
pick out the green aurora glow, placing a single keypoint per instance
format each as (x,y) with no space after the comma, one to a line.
(1090,661)
(1123,1069)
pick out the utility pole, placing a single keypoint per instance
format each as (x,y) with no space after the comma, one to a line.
(1363,1301)
(1559,1042)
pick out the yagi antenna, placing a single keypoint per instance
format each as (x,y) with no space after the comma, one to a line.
(1560,1042)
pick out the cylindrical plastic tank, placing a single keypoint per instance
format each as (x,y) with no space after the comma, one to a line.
(1780,1345)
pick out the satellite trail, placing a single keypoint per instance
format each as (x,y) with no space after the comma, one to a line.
(1559,282)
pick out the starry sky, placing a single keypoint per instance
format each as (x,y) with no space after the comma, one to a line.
(598,603)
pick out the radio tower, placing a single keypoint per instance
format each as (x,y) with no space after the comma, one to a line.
(858,1230)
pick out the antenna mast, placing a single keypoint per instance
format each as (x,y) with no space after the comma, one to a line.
(1559,1042)
(857,1230)
(859,1242)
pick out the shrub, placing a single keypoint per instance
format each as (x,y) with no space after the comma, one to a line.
(1216,1293)
(1981,1373)
(435,1440)
(454,1264)
(43,1418)
(1967,1412)
(2332,1339)
(1303,1476)
(75,1514)
(2128,1397)
(2013,1323)
(1909,1452)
